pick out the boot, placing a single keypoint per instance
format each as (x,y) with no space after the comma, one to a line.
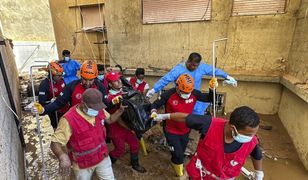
(113,160)
(135,163)
(143,147)
(178,169)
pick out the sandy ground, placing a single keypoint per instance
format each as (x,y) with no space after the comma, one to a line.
(280,158)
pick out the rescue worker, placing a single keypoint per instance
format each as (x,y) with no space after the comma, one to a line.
(47,90)
(70,66)
(138,82)
(73,91)
(82,131)
(224,145)
(101,75)
(119,133)
(197,70)
(182,98)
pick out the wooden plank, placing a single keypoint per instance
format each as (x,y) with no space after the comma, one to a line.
(76,3)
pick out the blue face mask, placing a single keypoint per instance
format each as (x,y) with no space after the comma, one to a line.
(241,138)
(66,58)
(100,77)
(92,112)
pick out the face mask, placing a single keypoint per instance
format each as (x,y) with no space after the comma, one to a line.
(185,96)
(66,58)
(139,81)
(241,138)
(92,112)
(100,77)
(114,92)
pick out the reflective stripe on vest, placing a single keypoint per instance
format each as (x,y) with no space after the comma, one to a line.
(88,151)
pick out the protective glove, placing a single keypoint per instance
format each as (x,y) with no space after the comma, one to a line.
(64,165)
(161,117)
(231,81)
(259,175)
(37,108)
(213,83)
(154,115)
(116,100)
(150,93)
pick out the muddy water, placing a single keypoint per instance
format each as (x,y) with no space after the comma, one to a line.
(280,158)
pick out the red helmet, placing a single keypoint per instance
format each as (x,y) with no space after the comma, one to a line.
(112,76)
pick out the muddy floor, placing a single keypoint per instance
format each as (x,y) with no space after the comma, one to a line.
(280,158)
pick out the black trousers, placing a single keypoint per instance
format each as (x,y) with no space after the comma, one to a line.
(177,144)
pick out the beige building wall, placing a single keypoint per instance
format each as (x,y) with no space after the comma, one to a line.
(298,58)
(11,150)
(293,112)
(26,20)
(256,43)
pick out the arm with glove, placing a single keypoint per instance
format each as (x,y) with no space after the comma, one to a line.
(208,71)
(164,81)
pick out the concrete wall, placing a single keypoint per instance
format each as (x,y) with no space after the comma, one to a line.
(26,20)
(294,116)
(11,151)
(298,58)
(256,43)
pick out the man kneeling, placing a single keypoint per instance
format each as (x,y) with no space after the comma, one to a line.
(224,145)
(83,132)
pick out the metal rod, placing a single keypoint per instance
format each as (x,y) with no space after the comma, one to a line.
(38,123)
(214,69)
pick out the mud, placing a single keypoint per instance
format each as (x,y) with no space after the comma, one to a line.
(280,158)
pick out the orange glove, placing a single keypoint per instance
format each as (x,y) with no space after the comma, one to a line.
(213,83)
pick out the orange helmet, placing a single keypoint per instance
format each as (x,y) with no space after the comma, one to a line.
(185,83)
(56,69)
(88,70)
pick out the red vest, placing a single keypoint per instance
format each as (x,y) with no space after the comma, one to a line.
(140,88)
(58,88)
(178,104)
(87,146)
(210,152)
(77,93)
(115,129)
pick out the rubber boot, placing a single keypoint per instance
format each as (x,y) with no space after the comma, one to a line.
(179,169)
(113,160)
(135,163)
(143,147)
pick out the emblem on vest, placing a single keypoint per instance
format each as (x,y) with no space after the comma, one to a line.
(189,101)
(62,85)
(233,163)
(175,102)
(78,96)
(55,89)
(103,122)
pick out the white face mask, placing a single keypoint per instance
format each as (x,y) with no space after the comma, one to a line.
(66,58)
(114,92)
(185,96)
(241,138)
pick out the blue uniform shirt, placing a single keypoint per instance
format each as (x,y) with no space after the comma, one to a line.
(202,70)
(70,68)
